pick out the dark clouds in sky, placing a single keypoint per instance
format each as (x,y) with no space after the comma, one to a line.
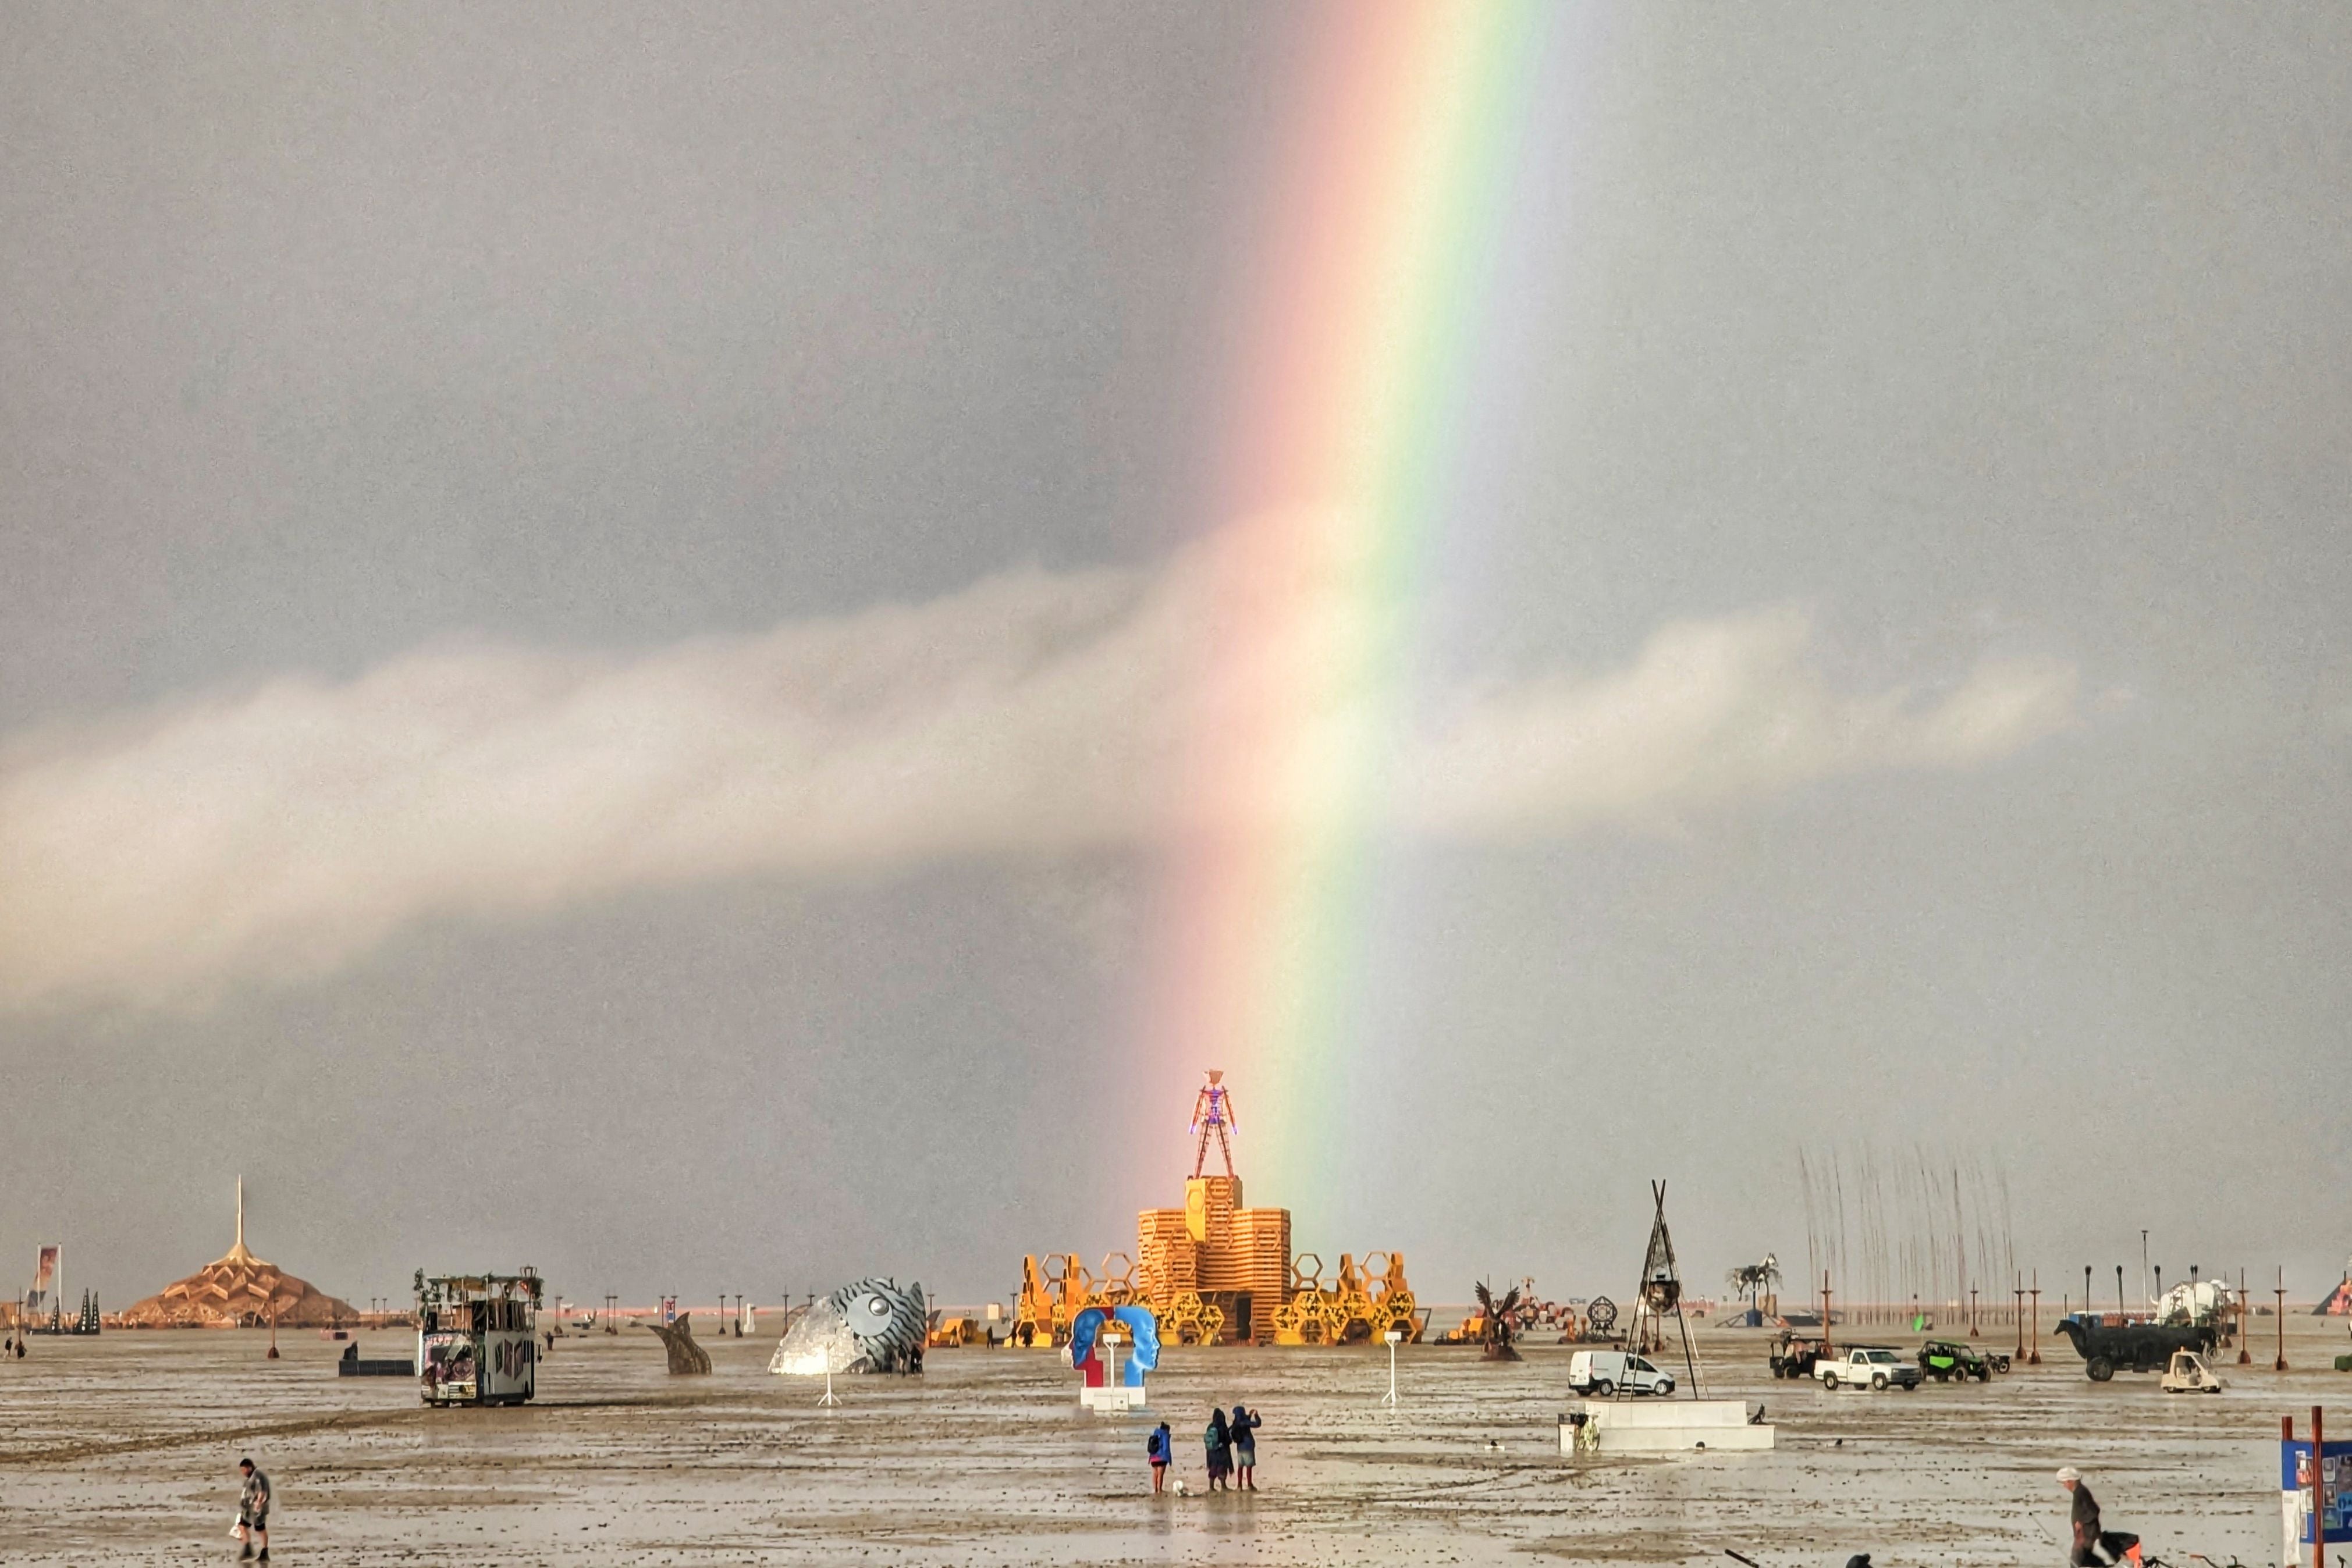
(1997,334)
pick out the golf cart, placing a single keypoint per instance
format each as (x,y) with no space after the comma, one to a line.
(1793,1355)
(2190,1374)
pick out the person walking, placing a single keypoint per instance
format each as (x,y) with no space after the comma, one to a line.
(1158,1448)
(2089,1539)
(1243,1428)
(1219,1440)
(253,1512)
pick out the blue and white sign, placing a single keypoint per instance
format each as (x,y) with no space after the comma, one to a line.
(2296,1492)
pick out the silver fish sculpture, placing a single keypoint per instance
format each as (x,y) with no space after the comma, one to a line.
(870,1326)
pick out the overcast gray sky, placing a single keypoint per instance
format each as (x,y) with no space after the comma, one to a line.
(593,611)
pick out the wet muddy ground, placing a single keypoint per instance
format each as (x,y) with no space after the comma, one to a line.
(121,1449)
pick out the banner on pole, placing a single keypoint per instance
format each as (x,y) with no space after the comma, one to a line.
(2296,1492)
(44,1276)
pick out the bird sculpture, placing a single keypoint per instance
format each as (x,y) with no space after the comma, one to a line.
(1495,1316)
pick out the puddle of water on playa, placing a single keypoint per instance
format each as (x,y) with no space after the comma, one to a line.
(123,1448)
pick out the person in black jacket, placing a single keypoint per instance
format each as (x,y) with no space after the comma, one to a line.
(1218,1441)
(2089,1539)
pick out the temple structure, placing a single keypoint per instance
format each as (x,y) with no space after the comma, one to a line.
(2338,1303)
(240,1290)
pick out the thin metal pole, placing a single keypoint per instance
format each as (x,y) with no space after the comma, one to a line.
(2318,1493)
(2280,1364)
(2245,1353)
(2033,1356)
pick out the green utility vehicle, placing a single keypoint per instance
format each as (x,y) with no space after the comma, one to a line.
(1945,1359)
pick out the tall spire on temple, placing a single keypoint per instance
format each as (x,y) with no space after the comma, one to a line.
(237,1253)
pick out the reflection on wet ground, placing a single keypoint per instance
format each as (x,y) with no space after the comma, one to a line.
(123,1449)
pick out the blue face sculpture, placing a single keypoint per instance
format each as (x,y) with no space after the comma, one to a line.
(1142,1335)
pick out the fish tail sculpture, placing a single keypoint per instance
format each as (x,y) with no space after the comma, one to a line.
(687,1358)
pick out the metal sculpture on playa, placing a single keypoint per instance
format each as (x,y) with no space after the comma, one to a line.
(1495,1312)
(870,1326)
(1752,1281)
(687,1359)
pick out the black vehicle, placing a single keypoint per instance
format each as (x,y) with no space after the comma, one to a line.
(2109,1343)
(1794,1356)
(1946,1359)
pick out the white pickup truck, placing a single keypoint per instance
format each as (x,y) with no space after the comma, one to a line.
(1867,1366)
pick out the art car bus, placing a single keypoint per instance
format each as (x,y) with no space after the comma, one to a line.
(476,1337)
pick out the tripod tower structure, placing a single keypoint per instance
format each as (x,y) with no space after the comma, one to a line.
(1661,1293)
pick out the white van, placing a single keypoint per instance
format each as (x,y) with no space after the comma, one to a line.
(1605,1372)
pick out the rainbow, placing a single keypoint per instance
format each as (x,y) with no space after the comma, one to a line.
(1379,238)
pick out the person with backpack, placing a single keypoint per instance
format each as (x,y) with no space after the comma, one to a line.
(1158,1448)
(1219,1441)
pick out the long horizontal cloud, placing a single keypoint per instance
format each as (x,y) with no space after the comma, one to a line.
(286,830)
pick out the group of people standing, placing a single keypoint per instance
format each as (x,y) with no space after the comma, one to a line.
(1232,1445)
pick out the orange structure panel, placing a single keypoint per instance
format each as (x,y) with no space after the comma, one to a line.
(1165,1261)
(1216,1248)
